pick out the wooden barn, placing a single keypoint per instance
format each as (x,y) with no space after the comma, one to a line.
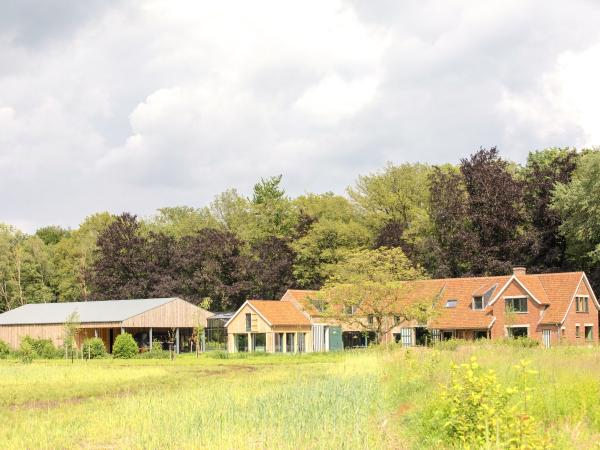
(148,320)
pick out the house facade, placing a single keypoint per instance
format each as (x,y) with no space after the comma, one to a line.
(551,308)
(269,326)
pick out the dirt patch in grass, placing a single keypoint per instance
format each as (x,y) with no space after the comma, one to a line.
(181,375)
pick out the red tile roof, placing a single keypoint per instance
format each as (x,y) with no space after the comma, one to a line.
(555,290)
(279,313)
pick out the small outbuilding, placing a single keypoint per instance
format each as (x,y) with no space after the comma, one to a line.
(148,320)
(269,326)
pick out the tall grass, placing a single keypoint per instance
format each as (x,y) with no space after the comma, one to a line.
(380,398)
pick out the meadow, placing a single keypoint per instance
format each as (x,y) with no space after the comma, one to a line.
(376,398)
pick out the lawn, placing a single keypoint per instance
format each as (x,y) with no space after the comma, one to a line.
(380,398)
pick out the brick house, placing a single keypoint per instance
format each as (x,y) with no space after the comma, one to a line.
(551,308)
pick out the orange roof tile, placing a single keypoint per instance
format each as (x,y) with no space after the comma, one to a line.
(560,289)
(278,312)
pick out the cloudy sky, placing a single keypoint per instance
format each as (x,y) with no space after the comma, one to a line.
(135,105)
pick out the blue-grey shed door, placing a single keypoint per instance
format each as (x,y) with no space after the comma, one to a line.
(335,339)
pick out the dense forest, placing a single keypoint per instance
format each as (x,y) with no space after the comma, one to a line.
(480,217)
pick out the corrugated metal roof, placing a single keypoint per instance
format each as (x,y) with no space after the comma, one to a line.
(96,311)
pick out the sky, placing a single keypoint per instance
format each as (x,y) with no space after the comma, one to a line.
(136,105)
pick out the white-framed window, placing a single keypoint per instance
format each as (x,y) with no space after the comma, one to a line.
(451,303)
(478,302)
(248,322)
(582,303)
(517,331)
(516,304)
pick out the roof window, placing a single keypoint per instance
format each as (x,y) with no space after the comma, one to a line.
(451,303)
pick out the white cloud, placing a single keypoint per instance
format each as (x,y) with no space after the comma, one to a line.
(136,105)
(334,98)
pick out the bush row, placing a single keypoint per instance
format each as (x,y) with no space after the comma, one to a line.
(124,347)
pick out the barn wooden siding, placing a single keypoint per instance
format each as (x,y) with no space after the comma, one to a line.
(175,314)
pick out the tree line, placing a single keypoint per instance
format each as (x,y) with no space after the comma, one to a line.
(479,217)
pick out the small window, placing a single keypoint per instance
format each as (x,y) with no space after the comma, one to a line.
(577,332)
(318,304)
(517,304)
(589,333)
(370,319)
(248,322)
(581,304)
(478,302)
(396,320)
(451,303)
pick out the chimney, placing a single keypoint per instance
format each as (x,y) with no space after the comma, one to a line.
(519,271)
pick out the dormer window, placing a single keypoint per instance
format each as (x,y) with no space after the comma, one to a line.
(478,302)
(318,304)
(451,303)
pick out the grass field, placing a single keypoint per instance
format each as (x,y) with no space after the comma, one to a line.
(380,398)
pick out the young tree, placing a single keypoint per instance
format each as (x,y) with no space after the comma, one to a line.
(198,332)
(369,290)
(70,331)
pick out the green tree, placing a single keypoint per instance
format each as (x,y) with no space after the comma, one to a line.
(330,229)
(272,210)
(70,331)
(179,221)
(543,171)
(368,290)
(52,234)
(578,204)
(394,204)
(11,256)
(73,258)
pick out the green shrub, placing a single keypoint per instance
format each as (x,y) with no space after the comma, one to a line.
(450,344)
(218,354)
(525,342)
(476,411)
(93,348)
(125,346)
(26,353)
(156,352)
(4,350)
(39,348)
